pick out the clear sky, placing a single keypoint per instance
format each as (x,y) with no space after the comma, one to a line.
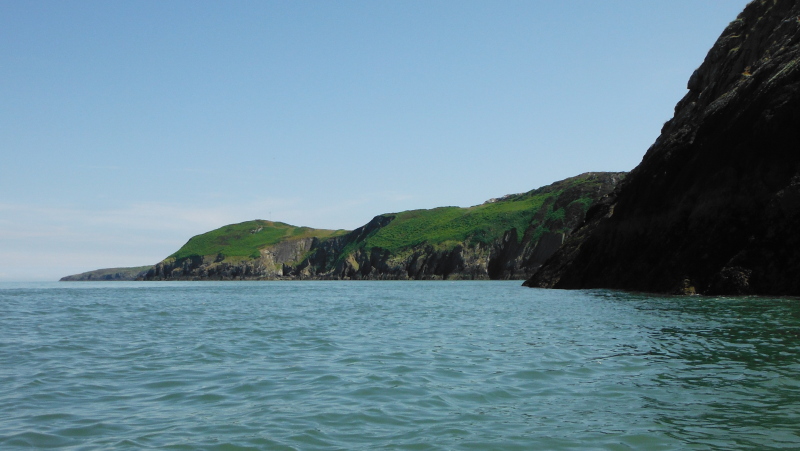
(128,127)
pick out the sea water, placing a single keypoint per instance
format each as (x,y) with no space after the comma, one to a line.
(393,365)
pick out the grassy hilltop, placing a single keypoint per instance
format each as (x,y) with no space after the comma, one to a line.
(447,227)
(244,239)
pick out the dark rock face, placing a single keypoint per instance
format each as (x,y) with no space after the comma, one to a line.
(714,207)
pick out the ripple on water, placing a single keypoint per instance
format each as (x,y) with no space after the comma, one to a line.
(398,365)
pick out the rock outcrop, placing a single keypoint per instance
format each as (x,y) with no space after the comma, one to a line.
(714,206)
(273,262)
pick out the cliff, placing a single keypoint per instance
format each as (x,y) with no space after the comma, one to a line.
(506,238)
(714,206)
(249,250)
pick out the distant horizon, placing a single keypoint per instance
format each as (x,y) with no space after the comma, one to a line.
(131,127)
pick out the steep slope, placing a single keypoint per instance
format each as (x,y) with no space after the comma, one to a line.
(500,239)
(714,206)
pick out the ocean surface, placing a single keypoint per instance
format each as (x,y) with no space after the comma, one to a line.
(392,365)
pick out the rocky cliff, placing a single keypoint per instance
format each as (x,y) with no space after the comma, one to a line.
(714,206)
(507,238)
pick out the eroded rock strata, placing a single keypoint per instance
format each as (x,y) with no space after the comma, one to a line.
(714,206)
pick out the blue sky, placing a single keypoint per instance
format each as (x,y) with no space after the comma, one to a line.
(128,127)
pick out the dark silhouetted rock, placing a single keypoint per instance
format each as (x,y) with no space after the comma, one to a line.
(714,206)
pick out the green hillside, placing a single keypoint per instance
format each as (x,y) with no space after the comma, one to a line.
(482,223)
(446,227)
(246,238)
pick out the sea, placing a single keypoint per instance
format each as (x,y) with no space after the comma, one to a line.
(385,365)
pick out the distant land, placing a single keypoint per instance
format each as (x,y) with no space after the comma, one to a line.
(714,206)
(503,238)
(109,274)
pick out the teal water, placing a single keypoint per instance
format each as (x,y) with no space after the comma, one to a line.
(393,365)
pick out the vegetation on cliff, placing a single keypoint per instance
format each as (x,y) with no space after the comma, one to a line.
(448,227)
(246,238)
(505,238)
(501,238)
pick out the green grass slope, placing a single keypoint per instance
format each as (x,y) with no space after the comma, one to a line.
(446,227)
(243,240)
